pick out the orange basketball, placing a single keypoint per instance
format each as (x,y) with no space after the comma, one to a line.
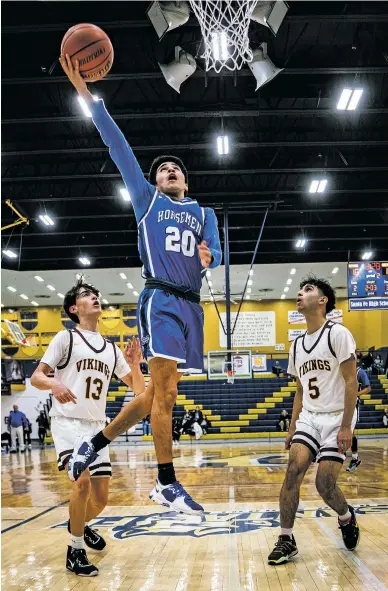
(91,46)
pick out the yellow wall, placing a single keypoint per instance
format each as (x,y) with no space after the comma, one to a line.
(369,328)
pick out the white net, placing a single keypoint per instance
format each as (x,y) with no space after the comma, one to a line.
(224,25)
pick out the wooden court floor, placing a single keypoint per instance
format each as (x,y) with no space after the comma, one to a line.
(152,549)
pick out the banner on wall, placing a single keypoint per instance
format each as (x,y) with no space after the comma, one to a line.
(259,362)
(110,319)
(253,329)
(241,364)
(45,339)
(294,333)
(14,371)
(295,317)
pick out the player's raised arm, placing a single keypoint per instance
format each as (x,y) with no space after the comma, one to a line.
(212,239)
(140,190)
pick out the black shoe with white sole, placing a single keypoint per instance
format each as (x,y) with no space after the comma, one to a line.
(285,548)
(350,531)
(91,538)
(77,562)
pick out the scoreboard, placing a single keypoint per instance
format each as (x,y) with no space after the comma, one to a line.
(368,285)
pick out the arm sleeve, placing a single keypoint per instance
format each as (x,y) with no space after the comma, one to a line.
(291,365)
(57,350)
(343,343)
(140,190)
(212,237)
(362,377)
(122,367)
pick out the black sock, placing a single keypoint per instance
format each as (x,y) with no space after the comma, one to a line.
(99,441)
(166,473)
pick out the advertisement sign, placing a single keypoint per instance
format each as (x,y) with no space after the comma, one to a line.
(259,362)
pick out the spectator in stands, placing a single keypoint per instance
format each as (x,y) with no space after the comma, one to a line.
(15,423)
(42,427)
(205,424)
(187,422)
(27,430)
(284,421)
(147,425)
(176,431)
(276,369)
(197,415)
(385,417)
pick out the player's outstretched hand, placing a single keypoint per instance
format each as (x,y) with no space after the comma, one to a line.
(204,254)
(132,352)
(61,393)
(73,73)
(344,439)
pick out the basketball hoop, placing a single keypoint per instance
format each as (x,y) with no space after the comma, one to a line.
(224,26)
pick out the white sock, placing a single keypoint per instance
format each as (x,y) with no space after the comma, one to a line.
(355,456)
(77,542)
(345,517)
(286,532)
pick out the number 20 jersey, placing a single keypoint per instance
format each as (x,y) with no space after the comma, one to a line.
(315,359)
(87,372)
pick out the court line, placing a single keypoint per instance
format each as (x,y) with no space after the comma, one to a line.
(379,585)
(3,531)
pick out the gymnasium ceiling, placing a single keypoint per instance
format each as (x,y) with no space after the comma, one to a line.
(281,136)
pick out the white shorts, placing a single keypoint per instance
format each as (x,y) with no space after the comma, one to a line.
(68,435)
(318,431)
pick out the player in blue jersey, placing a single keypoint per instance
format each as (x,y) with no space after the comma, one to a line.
(178,241)
(364,387)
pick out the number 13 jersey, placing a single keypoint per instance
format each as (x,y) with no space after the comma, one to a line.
(84,362)
(315,359)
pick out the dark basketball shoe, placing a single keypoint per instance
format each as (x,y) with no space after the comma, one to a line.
(285,548)
(91,537)
(353,465)
(77,562)
(350,531)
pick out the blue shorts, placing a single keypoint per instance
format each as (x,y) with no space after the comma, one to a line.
(172,328)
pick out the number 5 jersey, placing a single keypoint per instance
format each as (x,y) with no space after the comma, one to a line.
(315,359)
(84,362)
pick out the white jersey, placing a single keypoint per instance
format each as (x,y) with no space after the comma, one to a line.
(315,359)
(84,362)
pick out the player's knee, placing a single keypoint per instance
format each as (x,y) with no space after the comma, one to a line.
(293,474)
(82,486)
(325,484)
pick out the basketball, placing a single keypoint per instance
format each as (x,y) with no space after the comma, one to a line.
(92,47)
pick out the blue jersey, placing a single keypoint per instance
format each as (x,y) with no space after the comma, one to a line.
(169,230)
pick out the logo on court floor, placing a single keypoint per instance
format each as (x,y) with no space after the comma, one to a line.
(208,524)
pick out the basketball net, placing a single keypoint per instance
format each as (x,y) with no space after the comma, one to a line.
(224,25)
(29,341)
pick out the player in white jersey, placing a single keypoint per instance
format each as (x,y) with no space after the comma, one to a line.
(84,363)
(323,361)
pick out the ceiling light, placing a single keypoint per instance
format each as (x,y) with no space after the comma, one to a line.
(210,283)
(135,293)
(10,254)
(46,220)
(125,195)
(104,301)
(223,144)
(289,281)
(166,16)
(23,296)
(250,282)
(250,272)
(367,254)
(293,271)
(34,303)
(208,273)
(129,285)
(51,288)
(247,297)
(60,295)
(10,311)
(220,46)
(300,243)
(123,276)
(286,289)
(38,278)
(335,270)
(11,288)
(84,260)
(349,99)
(84,105)
(318,186)
(270,14)
(249,290)
(283,296)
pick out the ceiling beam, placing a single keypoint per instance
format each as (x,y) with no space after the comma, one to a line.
(221,172)
(203,115)
(206,146)
(157,75)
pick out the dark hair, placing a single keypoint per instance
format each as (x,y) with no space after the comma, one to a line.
(162,159)
(324,287)
(73,293)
